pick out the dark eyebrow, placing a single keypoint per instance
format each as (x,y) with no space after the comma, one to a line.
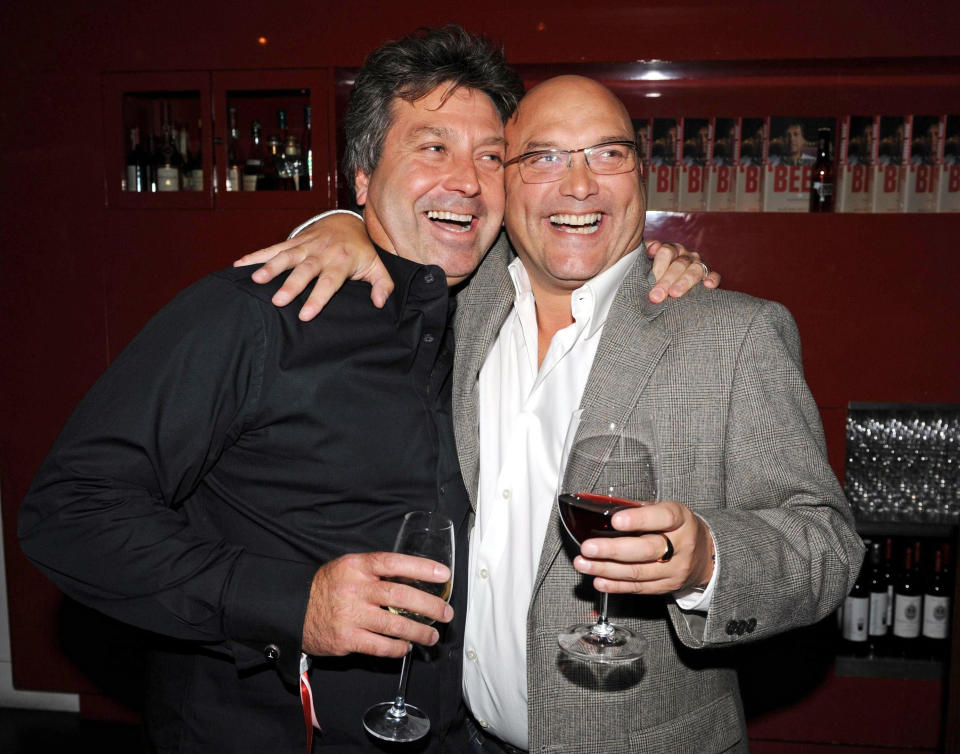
(438,132)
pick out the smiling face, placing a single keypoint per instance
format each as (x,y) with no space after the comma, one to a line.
(436,195)
(571,230)
(795,140)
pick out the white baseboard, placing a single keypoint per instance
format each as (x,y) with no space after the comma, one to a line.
(11,697)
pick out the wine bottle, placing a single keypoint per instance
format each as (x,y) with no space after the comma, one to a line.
(282,130)
(907,608)
(269,178)
(138,178)
(821,192)
(306,151)
(168,161)
(289,165)
(889,575)
(254,165)
(936,611)
(235,160)
(856,614)
(878,626)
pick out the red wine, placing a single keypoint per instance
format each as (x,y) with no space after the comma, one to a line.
(586,515)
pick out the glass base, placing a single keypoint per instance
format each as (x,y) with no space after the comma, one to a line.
(411,726)
(589,643)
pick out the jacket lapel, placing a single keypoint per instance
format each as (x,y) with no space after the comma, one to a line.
(481,311)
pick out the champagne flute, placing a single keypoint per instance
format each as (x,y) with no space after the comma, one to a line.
(425,534)
(624,456)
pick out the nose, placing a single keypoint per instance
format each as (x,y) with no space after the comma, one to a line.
(579,181)
(463,177)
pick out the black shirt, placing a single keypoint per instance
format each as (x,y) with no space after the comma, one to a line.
(227,453)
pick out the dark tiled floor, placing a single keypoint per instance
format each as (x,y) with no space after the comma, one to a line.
(40,732)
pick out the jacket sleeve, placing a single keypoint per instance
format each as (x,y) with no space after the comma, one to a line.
(784,532)
(105,519)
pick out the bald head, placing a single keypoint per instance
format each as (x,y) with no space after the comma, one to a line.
(562,99)
(569,230)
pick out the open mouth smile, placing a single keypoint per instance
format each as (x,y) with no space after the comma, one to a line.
(453,221)
(580,224)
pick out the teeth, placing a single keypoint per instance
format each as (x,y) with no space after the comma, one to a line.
(582,224)
(435,214)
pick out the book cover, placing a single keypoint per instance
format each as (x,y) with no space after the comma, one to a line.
(748,159)
(890,164)
(722,181)
(664,156)
(788,162)
(697,135)
(858,139)
(948,182)
(641,128)
(920,190)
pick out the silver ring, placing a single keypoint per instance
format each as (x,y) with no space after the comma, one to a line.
(706,270)
(668,549)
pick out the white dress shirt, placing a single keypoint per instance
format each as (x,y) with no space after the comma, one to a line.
(524,415)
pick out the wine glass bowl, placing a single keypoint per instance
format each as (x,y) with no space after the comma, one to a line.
(430,535)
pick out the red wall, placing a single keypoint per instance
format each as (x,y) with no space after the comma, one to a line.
(875,297)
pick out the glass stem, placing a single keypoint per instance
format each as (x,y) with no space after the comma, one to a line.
(602,627)
(399,708)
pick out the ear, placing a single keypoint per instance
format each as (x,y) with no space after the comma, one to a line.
(361,184)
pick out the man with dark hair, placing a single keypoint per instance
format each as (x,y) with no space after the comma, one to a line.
(235,479)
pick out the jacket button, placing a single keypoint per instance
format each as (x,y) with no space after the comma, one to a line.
(751,624)
(271,652)
(731,628)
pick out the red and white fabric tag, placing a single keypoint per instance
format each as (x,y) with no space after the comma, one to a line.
(306,699)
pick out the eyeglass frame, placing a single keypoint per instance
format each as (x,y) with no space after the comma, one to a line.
(570,153)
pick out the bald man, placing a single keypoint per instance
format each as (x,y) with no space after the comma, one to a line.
(752,535)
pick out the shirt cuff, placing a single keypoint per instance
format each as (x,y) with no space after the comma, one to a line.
(265,603)
(316,218)
(697,598)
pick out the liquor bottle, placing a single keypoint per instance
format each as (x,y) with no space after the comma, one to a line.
(821,192)
(282,130)
(878,626)
(289,164)
(306,151)
(856,614)
(168,161)
(907,608)
(183,145)
(254,164)
(138,173)
(235,160)
(269,178)
(936,611)
(193,161)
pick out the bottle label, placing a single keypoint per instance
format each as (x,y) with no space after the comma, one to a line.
(906,616)
(134,179)
(823,190)
(233,178)
(936,616)
(249,183)
(878,614)
(168,179)
(855,612)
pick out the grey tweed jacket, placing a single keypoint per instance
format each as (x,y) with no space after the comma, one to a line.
(741,444)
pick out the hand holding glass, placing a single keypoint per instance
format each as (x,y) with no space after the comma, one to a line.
(427,535)
(586,515)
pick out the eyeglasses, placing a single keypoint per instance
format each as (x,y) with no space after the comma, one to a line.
(548,165)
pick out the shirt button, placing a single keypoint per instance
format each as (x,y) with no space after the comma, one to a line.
(271,652)
(428,278)
(506,494)
(483,723)
(471,655)
(443,490)
(428,338)
(484,573)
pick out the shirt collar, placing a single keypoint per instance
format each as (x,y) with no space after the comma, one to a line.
(590,303)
